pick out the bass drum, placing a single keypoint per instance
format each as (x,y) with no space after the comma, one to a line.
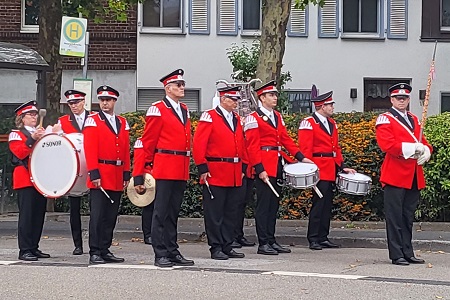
(58,165)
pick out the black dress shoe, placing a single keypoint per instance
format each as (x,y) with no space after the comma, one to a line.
(39,254)
(328,244)
(315,246)
(219,255)
(111,258)
(234,254)
(266,250)
(77,251)
(400,262)
(96,260)
(236,244)
(163,262)
(414,260)
(148,240)
(280,249)
(179,260)
(28,256)
(245,243)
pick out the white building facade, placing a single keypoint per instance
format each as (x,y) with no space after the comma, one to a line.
(357,48)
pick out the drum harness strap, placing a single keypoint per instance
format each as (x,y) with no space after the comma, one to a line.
(174,152)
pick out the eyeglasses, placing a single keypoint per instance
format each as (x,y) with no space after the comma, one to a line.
(32,114)
(179,83)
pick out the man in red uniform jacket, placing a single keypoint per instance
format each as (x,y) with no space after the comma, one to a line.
(31,203)
(107,149)
(74,123)
(266,133)
(398,135)
(141,166)
(319,140)
(167,144)
(220,156)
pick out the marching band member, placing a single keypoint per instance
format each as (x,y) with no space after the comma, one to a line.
(32,204)
(266,133)
(74,123)
(106,146)
(318,140)
(141,166)
(167,144)
(220,156)
(398,135)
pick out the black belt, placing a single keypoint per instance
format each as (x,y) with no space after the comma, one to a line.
(277,148)
(111,162)
(224,159)
(174,152)
(324,154)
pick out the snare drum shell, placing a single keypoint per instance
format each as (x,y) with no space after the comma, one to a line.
(357,184)
(301,175)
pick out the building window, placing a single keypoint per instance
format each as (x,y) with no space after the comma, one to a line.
(30,16)
(300,101)
(376,93)
(361,16)
(445,15)
(251,17)
(445,102)
(162,16)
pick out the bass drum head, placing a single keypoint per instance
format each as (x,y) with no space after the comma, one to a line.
(300,168)
(54,165)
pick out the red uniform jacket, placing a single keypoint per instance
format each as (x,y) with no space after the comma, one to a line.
(167,141)
(392,130)
(214,139)
(107,153)
(20,144)
(69,123)
(261,133)
(320,146)
(141,163)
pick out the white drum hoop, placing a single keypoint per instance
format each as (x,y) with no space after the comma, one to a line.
(354,184)
(301,175)
(55,166)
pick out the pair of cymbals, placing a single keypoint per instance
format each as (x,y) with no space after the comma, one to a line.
(147,197)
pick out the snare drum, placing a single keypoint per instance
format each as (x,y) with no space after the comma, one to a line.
(58,165)
(354,184)
(301,175)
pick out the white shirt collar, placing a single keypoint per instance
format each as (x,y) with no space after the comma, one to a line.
(266,111)
(404,115)
(321,118)
(81,115)
(173,103)
(30,129)
(225,112)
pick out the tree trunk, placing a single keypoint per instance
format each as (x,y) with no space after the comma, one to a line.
(48,46)
(275,16)
(49,37)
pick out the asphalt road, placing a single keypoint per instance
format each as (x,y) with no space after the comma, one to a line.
(346,273)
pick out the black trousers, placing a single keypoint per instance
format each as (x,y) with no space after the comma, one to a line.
(102,220)
(147,217)
(320,214)
(168,198)
(220,216)
(266,210)
(399,207)
(32,207)
(75,220)
(246,197)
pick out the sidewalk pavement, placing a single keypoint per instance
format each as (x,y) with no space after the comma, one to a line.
(427,236)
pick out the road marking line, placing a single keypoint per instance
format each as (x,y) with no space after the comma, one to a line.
(7,262)
(302,274)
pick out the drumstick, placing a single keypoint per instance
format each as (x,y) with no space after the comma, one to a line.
(271,187)
(207,185)
(42,113)
(104,192)
(316,189)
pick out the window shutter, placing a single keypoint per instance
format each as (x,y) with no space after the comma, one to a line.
(328,19)
(227,17)
(397,19)
(147,96)
(199,16)
(298,21)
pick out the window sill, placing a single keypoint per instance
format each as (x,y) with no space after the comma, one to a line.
(362,37)
(29,30)
(251,33)
(153,30)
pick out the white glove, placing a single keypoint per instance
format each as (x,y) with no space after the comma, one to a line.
(411,150)
(419,149)
(424,157)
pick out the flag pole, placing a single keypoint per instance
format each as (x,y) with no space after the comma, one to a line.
(427,94)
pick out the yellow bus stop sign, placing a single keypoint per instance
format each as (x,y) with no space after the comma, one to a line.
(73,35)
